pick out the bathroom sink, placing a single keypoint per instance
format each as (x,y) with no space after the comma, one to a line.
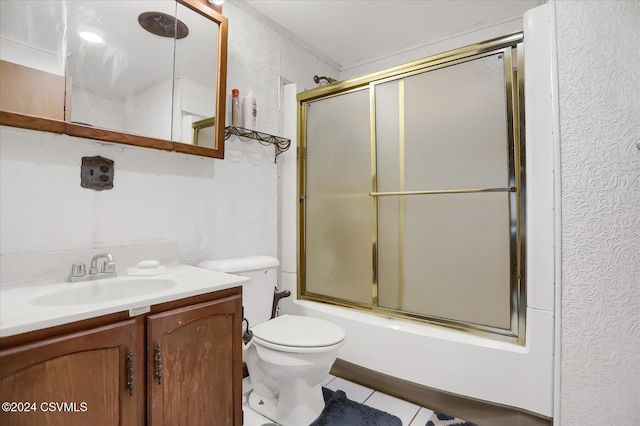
(103,291)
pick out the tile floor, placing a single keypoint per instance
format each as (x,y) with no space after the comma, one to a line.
(410,414)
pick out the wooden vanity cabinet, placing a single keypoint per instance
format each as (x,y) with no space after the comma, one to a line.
(88,371)
(192,356)
(180,364)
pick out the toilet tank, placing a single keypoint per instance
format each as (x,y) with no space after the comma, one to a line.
(257,295)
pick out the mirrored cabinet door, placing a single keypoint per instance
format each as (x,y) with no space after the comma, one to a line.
(121,72)
(195,77)
(33,59)
(142,72)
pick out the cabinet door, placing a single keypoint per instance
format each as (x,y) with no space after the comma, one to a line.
(195,364)
(77,379)
(31,91)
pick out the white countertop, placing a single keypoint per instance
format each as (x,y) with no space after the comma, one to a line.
(18,313)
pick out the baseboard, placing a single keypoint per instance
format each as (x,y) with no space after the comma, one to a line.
(480,412)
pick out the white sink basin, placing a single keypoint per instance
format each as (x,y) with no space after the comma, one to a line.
(103,291)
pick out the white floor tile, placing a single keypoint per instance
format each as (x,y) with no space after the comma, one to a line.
(354,391)
(246,385)
(422,417)
(327,379)
(251,418)
(406,411)
(246,388)
(410,414)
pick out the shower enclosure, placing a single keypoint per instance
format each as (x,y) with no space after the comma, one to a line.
(411,189)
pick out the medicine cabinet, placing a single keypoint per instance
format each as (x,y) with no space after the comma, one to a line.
(144,73)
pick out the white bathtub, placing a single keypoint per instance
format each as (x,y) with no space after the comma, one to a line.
(448,360)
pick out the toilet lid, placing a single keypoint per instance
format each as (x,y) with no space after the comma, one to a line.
(305,332)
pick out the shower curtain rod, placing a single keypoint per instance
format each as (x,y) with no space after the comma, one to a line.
(317,79)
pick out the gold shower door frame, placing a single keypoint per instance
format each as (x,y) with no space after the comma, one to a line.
(511,47)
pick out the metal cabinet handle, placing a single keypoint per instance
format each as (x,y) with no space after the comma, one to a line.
(158,364)
(130,372)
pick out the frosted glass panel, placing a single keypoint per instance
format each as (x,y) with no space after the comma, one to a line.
(338,209)
(339,145)
(455,127)
(388,136)
(455,256)
(338,235)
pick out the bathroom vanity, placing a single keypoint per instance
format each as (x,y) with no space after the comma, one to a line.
(176,360)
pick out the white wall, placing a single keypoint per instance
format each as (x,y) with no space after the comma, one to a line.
(149,112)
(192,101)
(96,109)
(18,53)
(599,90)
(210,208)
(259,54)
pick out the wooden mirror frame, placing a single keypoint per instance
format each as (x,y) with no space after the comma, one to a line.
(33,122)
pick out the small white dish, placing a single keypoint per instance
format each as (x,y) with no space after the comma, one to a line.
(147,268)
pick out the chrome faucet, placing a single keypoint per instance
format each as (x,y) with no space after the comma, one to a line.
(108,269)
(109,266)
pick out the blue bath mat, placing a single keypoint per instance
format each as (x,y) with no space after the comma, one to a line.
(340,411)
(441,419)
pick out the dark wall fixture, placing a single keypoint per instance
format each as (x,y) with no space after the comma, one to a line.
(163,25)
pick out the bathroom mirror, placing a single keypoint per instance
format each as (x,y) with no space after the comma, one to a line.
(203,131)
(137,72)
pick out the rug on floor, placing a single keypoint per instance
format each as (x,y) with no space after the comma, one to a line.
(341,411)
(441,419)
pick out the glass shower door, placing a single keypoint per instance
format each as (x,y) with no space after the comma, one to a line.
(338,210)
(444,193)
(411,184)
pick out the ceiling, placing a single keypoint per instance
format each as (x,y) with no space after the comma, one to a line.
(355,32)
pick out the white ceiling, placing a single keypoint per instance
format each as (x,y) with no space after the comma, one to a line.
(355,32)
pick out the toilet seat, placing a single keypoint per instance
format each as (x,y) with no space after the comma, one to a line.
(291,333)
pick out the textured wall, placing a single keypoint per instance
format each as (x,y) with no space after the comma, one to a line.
(599,92)
(260,54)
(211,208)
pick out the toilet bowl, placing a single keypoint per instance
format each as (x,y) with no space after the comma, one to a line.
(287,359)
(288,356)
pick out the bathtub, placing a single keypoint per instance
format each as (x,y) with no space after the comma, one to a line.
(445,359)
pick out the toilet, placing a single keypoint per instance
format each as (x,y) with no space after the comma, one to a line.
(288,356)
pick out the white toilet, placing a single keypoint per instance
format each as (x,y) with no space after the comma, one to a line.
(288,356)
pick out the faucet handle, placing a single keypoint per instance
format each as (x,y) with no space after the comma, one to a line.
(77,271)
(109,267)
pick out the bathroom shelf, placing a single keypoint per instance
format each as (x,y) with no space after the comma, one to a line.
(280,144)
